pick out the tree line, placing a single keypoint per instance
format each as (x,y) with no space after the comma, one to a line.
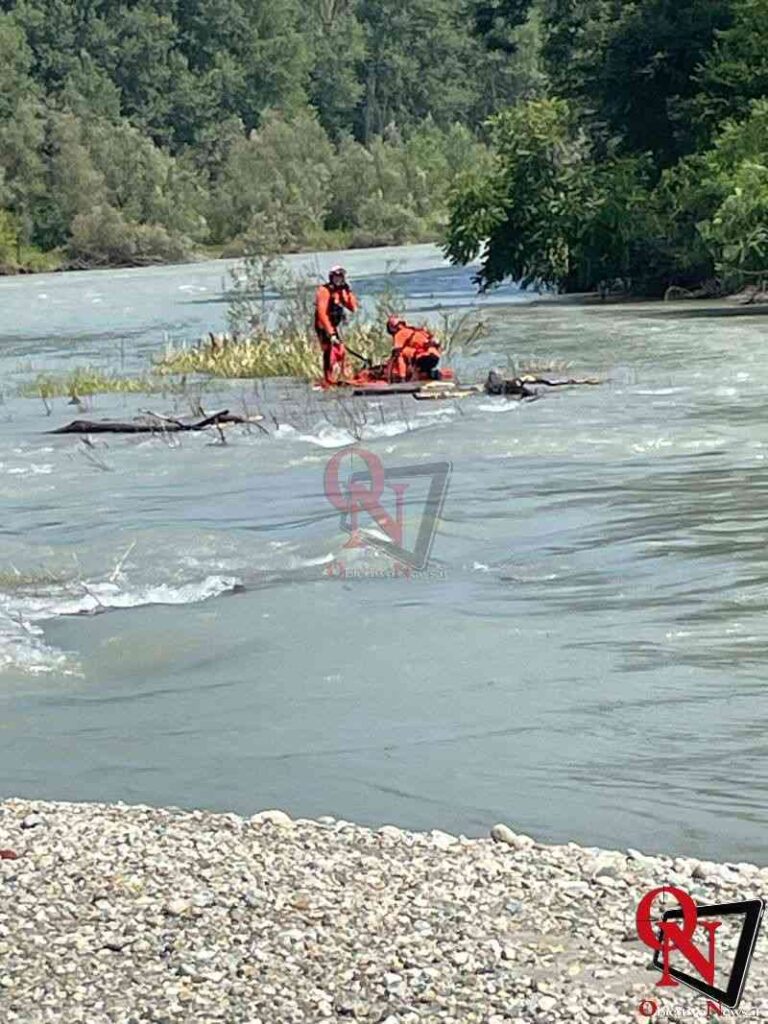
(644,161)
(140,130)
(566,143)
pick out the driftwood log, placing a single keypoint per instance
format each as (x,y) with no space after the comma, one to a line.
(520,387)
(153,423)
(560,382)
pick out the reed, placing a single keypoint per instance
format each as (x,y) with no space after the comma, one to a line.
(83,382)
(283,352)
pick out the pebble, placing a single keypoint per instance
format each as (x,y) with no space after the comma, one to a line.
(442,840)
(177,907)
(390,832)
(504,834)
(120,915)
(278,818)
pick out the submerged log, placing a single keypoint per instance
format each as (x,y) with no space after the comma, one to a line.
(515,387)
(153,423)
(561,382)
(519,387)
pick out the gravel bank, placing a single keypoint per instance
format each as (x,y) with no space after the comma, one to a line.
(132,914)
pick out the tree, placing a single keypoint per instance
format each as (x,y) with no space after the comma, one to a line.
(510,67)
(73,184)
(22,130)
(736,71)
(143,181)
(735,174)
(418,56)
(284,171)
(496,20)
(738,230)
(547,214)
(633,65)
(520,217)
(248,56)
(9,240)
(103,237)
(337,44)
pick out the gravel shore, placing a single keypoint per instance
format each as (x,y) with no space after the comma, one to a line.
(133,914)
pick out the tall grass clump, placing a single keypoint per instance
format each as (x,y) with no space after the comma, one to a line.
(281,352)
(84,382)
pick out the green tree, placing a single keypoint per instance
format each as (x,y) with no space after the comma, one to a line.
(730,193)
(495,22)
(284,171)
(633,66)
(738,231)
(736,72)
(520,217)
(9,241)
(547,214)
(418,56)
(248,56)
(337,45)
(22,130)
(143,181)
(103,237)
(73,184)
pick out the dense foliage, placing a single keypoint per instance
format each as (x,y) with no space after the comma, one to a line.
(567,143)
(135,130)
(647,160)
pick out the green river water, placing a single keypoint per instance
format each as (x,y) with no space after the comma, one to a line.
(586,658)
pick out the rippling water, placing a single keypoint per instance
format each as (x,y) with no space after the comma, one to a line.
(586,660)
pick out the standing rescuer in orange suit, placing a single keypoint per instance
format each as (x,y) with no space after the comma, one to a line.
(332,302)
(415,352)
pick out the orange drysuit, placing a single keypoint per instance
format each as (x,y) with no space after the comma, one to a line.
(331,306)
(415,354)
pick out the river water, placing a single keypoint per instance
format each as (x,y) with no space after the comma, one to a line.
(585,657)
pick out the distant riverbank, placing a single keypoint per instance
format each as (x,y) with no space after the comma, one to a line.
(114,913)
(57,261)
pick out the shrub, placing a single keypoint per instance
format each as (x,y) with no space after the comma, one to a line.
(103,237)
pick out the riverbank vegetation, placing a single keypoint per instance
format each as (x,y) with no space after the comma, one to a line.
(145,132)
(645,165)
(574,144)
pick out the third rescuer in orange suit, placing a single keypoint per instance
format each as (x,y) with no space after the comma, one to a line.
(415,353)
(332,302)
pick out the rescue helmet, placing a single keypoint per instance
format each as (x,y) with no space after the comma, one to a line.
(337,272)
(393,323)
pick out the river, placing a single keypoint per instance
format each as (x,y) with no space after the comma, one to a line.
(585,658)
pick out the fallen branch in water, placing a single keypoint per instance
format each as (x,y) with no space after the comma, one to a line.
(519,387)
(153,423)
(561,383)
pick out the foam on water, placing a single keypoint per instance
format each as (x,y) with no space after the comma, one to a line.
(22,648)
(21,644)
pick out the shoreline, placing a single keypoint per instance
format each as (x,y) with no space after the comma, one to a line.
(122,914)
(214,255)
